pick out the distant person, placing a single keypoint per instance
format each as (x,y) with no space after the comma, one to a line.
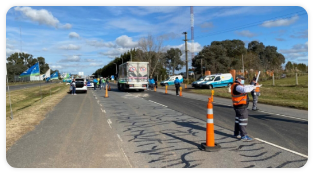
(107,81)
(151,83)
(255,94)
(73,85)
(95,81)
(240,100)
(100,82)
(177,85)
(103,82)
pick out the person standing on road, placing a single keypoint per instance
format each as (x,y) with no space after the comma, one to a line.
(151,83)
(255,94)
(100,83)
(95,83)
(177,85)
(240,101)
(103,83)
(107,81)
(73,84)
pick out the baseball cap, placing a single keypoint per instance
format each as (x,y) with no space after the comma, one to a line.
(240,77)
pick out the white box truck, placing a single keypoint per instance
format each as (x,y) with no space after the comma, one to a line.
(133,75)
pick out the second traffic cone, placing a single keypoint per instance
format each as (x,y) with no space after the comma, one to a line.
(155,88)
(166,92)
(210,145)
(180,91)
(185,86)
(109,89)
(106,95)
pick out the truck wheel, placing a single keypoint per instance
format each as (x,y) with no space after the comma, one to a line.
(229,85)
(166,84)
(210,86)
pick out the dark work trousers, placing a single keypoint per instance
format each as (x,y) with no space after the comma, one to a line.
(255,98)
(177,89)
(95,85)
(241,121)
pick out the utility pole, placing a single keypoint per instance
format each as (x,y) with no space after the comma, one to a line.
(186,55)
(131,57)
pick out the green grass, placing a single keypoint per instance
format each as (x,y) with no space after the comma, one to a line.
(21,99)
(284,93)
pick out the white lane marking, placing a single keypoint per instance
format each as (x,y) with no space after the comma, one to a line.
(109,122)
(158,103)
(126,157)
(297,153)
(269,113)
(284,116)
(119,137)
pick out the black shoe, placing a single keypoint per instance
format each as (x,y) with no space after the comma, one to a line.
(255,109)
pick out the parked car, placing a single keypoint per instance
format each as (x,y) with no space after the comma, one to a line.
(283,76)
(218,80)
(170,80)
(81,85)
(89,83)
(196,84)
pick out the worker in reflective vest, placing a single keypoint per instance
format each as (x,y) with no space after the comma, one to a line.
(240,101)
(255,94)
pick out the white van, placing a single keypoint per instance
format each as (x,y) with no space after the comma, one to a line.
(218,80)
(170,80)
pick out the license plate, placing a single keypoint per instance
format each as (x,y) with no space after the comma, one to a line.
(137,85)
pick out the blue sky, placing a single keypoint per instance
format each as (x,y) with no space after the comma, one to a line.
(74,39)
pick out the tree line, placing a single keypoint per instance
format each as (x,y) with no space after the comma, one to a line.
(218,57)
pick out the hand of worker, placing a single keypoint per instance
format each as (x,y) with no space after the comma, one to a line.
(258,85)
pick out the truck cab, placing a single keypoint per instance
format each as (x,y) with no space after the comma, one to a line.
(170,80)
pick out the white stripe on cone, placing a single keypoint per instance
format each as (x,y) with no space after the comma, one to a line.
(210,111)
(210,120)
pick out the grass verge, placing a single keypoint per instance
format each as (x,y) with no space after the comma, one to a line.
(28,109)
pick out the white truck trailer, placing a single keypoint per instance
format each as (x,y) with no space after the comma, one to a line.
(133,75)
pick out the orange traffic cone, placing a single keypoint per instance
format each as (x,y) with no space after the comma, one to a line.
(155,88)
(166,92)
(106,95)
(109,88)
(210,145)
(185,86)
(180,91)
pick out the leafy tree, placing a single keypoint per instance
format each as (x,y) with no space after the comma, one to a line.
(256,47)
(289,66)
(173,59)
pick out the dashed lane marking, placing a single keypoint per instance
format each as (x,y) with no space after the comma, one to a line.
(158,103)
(119,137)
(109,122)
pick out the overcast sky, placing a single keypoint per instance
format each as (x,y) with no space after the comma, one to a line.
(74,39)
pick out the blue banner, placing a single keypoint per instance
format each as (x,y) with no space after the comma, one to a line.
(35,70)
(29,71)
(54,76)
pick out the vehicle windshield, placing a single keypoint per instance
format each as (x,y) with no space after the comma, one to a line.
(201,78)
(211,78)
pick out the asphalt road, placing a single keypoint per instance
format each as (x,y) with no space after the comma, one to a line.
(150,129)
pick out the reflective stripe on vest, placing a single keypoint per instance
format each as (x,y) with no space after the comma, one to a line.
(240,99)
